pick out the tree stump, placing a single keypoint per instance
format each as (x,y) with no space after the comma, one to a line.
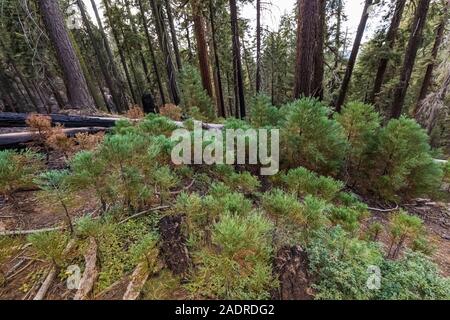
(173,244)
(291,266)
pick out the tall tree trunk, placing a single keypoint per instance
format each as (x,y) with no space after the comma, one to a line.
(123,60)
(115,71)
(173,34)
(352,60)
(152,52)
(138,45)
(217,72)
(202,47)
(414,43)
(319,60)
(237,64)
(430,67)
(163,42)
(118,97)
(334,83)
(258,46)
(89,74)
(306,44)
(391,37)
(188,40)
(77,90)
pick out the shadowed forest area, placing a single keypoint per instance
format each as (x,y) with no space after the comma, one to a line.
(93,205)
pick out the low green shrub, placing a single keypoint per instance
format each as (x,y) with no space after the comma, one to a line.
(241,268)
(303,182)
(340,265)
(309,138)
(400,165)
(403,228)
(17,170)
(413,277)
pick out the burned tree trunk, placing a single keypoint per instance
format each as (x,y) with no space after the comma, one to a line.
(173,244)
(291,267)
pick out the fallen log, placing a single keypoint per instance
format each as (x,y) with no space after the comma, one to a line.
(10,119)
(137,282)
(90,272)
(46,284)
(26,232)
(15,139)
(51,275)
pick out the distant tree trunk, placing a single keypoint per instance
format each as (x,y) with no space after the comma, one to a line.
(317,81)
(188,40)
(152,52)
(202,47)
(18,73)
(430,67)
(258,46)
(162,36)
(118,97)
(106,44)
(414,43)
(217,76)
(390,42)
(173,34)
(89,73)
(306,44)
(123,60)
(237,64)
(334,82)
(352,60)
(138,45)
(77,90)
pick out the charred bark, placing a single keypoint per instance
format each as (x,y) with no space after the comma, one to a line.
(173,244)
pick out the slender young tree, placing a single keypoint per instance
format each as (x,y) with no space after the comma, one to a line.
(163,42)
(352,60)
(152,52)
(434,53)
(391,37)
(77,90)
(118,97)
(258,46)
(237,64)
(217,72)
(173,34)
(112,63)
(415,40)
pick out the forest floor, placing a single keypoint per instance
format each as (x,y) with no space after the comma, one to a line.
(24,272)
